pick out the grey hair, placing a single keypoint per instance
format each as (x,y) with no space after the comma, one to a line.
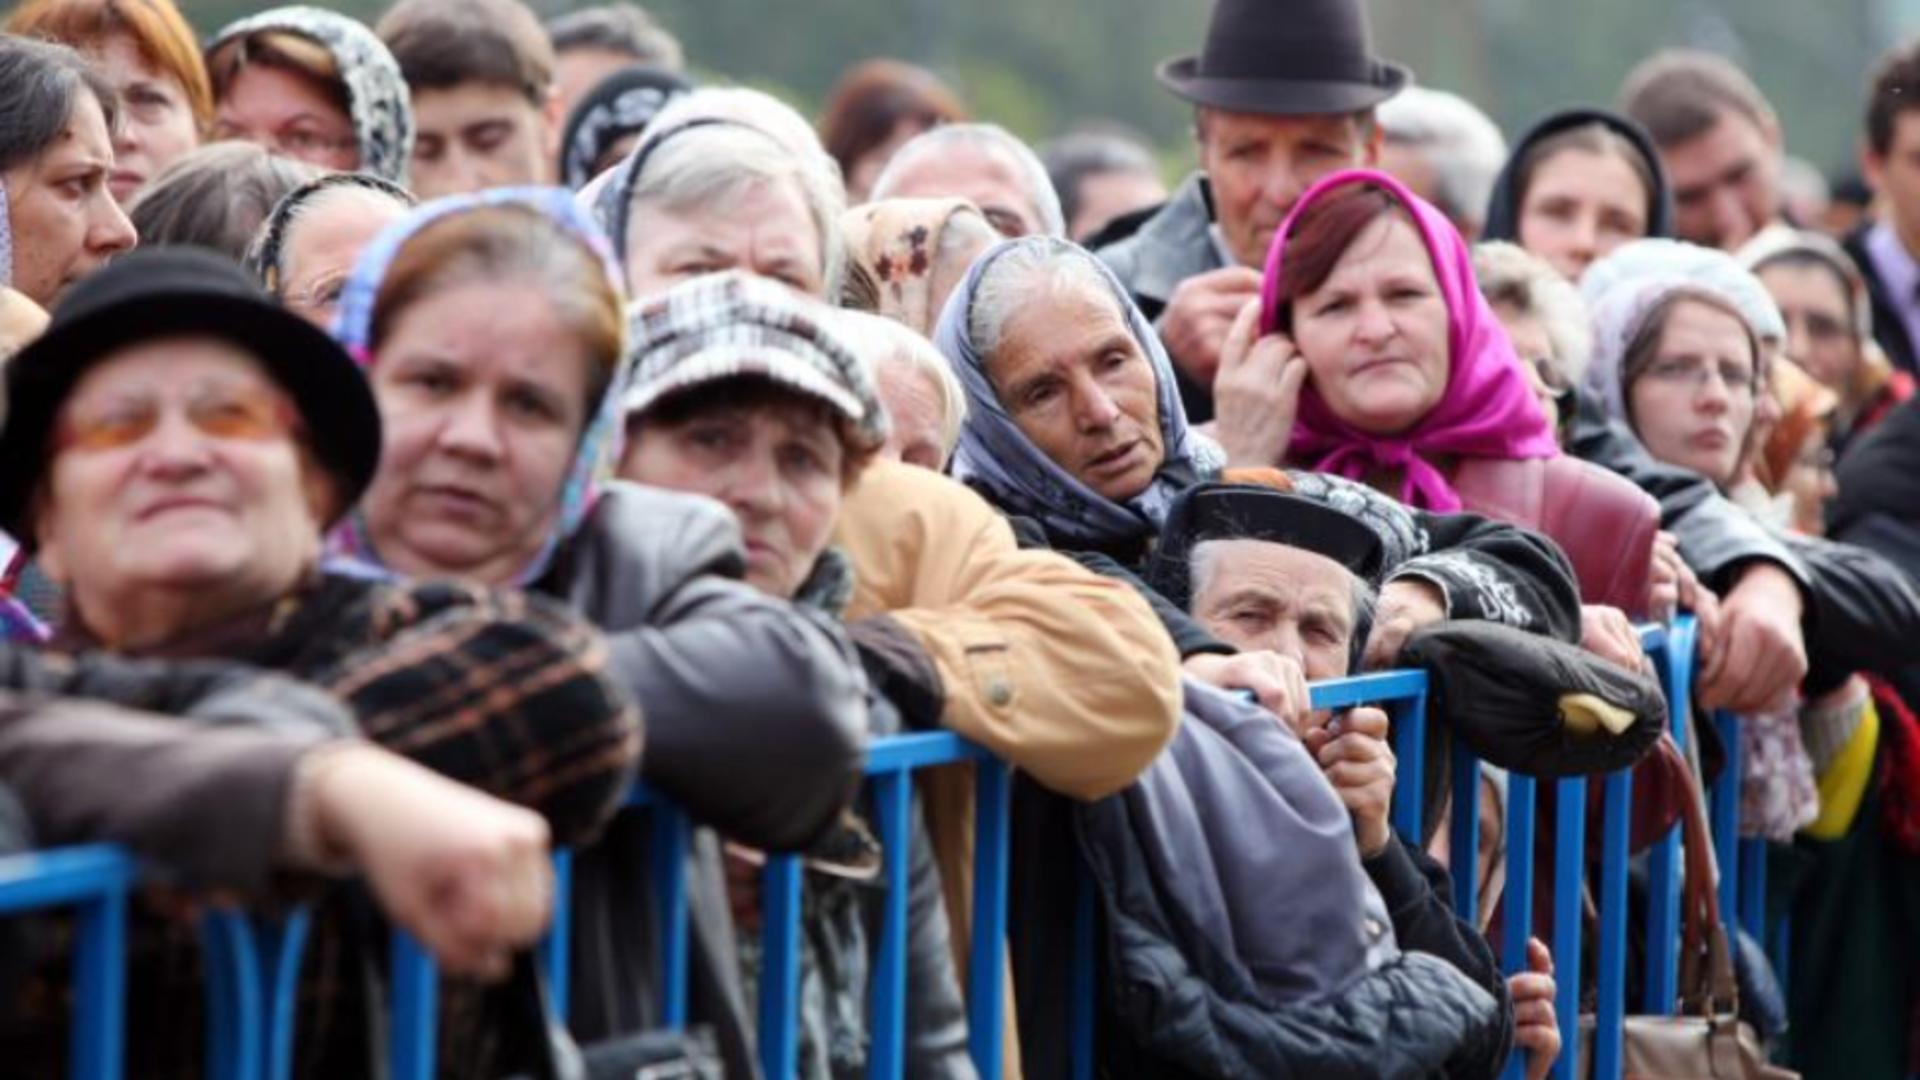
(621,28)
(709,166)
(266,255)
(43,81)
(1464,147)
(884,342)
(1023,273)
(1511,275)
(756,109)
(1074,158)
(215,197)
(989,138)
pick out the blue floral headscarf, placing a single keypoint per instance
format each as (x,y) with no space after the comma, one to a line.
(997,457)
(351,548)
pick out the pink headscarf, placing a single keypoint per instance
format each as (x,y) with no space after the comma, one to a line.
(1488,409)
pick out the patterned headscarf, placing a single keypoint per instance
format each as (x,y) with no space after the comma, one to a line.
(351,544)
(1487,410)
(896,242)
(995,455)
(621,104)
(378,101)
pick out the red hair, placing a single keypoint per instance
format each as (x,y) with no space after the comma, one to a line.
(1322,234)
(159,32)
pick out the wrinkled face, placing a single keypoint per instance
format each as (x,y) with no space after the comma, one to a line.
(482,392)
(578,70)
(1694,404)
(1374,334)
(989,180)
(1109,195)
(476,136)
(1896,174)
(1259,166)
(1077,384)
(913,407)
(319,251)
(766,231)
(176,469)
(289,114)
(1579,206)
(778,467)
(1820,334)
(157,125)
(1256,595)
(1535,350)
(65,221)
(1724,182)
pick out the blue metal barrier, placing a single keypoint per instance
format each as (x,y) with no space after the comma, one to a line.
(94,881)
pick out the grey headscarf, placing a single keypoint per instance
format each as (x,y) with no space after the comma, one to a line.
(995,455)
(377,97)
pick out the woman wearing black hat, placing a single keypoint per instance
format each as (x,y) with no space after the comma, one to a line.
(175,445)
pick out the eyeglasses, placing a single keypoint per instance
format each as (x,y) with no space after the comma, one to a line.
(251,414)
(1694,374)
(299,143)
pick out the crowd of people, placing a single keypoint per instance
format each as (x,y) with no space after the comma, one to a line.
(416,434)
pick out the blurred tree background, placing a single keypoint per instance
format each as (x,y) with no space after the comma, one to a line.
(1042,66)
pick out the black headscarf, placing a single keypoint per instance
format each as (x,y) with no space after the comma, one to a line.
(1503,210)
(619,105)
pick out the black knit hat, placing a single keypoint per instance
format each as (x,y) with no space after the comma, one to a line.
(1220,511)
(1286,58)
(169,292)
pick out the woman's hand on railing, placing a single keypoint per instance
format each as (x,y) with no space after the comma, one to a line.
(1278,683)
(1667,578)
(1353,751)
(1536,1028)
(466,874)
(1607,633)
(1759,655)
(1406,605)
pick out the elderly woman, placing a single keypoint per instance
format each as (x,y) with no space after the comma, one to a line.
(58,218)
(911,253)
(611,118)
(924,400)
(215,197)
(1829,325)
(984,164)
(743,392)
(305,249)
(1074,426)
(492,331)
(149,54)
(708,194)
(1580,183)
(315,86)
(176,445)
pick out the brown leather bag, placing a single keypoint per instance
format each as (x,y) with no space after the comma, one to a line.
(1707,1038)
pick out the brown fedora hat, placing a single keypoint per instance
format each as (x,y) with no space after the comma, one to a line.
(1286,57)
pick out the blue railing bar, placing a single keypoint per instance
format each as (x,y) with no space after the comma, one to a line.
(1080,1010)
(1367,689)
(1753,888)
(986,979)
(1725,808)
(1674,659)
(1782,948)
(780,966)
(1569,873)
(100,988)
(553,950)
(886,1054)
(1516,904)
(1463,843)
(1409,735)
(415,1007)
(236,1016)
(1611,974)
(672,834)
(36,880)
(918,750)
(281,946)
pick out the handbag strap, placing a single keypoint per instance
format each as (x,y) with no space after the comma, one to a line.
(547,1048)
(1706,961)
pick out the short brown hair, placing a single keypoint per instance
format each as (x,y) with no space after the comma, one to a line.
(1895,89)
(441,44)
(282,50)
(877,96)
(158,31)
(1594,138)
(1322,234)
(1677,94)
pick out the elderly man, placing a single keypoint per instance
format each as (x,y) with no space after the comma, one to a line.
(984,164)
(1279,103)
(1719,140)
(1443,147)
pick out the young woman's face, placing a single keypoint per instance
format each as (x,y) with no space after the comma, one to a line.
(482,390)
(1820,329)
(1375,333)
(1579,206)
(65,221)
(1693,406)
(157,126)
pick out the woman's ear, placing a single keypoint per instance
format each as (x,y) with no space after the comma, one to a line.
(321,493)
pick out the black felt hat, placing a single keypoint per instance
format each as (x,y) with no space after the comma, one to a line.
(174,292)
(1218,511)
(1286,58)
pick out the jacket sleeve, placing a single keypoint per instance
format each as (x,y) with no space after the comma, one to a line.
(206,802)
(1066,674)
(1864,614)
(756,709)
(1716,537)
(1498,572)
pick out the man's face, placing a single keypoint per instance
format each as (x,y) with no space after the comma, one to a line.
(989,180)
(1259,166)
(1896,174)
(1257,595)
(1725,181)
(476,136)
